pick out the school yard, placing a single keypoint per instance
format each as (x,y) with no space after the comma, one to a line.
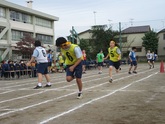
(130,99)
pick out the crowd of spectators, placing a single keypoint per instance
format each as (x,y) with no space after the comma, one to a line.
(12,69)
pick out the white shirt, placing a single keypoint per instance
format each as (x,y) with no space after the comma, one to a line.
(40,55)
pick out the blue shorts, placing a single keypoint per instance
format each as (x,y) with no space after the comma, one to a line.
(114,64)
(133,63)
(83,62)
(77,71)
(42,68)
(100,64)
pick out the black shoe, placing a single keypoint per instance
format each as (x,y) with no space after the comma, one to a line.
(47,85)
(135,72)
(129,73)
(37,87)
(110,80)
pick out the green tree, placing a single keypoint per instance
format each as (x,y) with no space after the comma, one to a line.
(101,37)
(150,41)
(85,45)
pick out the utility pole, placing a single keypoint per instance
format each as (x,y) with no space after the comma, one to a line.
(94,12)
(131,21)
(120,39)
(109,23)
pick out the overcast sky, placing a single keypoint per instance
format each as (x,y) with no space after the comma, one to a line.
(84,13)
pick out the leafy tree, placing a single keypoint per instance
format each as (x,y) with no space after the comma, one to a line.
(25,46)
(150,41)
(100,39)
(85,45)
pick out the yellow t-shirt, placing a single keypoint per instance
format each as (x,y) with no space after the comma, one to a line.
(113,55)
(61,60)
(70,55)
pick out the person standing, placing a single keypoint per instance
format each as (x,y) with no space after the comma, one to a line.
(133,61)
(99,60)
(73,61)
(61,61)
(50,59)
(114,55)
(40,55)
(84,61)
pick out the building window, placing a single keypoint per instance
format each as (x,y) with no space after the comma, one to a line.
(2,12)
(46,39)
(21,17)
(163,36)
(43,22)
(18,35)
(138,49)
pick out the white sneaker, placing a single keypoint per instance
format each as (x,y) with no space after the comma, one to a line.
(79,96)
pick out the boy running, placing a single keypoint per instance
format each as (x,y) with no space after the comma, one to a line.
(99,60)
(73,61)
(149,59)
(132,58)
(114,55)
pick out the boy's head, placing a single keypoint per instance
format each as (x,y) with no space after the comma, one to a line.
(37,43)
(60,41)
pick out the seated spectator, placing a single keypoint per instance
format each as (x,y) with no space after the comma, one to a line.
(11,69)
(17,68)
(53,67)
(5,67)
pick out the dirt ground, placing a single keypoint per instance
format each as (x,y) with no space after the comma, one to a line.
(130,99)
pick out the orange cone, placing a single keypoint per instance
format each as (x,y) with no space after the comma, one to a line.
(161,67)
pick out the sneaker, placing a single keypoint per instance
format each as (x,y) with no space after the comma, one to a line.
(79,96)
(37,87)
(129,73)
(150,66)
(120,68)
(47,85)
(100,72)
(110,80)
(135,72)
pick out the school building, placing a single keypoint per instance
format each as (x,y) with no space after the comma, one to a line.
(16,21)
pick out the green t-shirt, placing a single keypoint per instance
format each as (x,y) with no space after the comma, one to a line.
(100,57)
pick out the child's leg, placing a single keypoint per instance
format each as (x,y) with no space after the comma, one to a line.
(79,84)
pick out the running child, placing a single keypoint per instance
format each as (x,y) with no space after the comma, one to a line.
(133,61)
(73,61)
(114,55)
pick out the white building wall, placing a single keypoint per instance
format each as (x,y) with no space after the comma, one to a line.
(135,40)
(43,30)
(86,35)
(161,46)
(21,26)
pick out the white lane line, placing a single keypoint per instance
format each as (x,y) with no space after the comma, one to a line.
(46,90)
(94,100)
(43,91)
(58,77)
(7,87)
(44,102)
